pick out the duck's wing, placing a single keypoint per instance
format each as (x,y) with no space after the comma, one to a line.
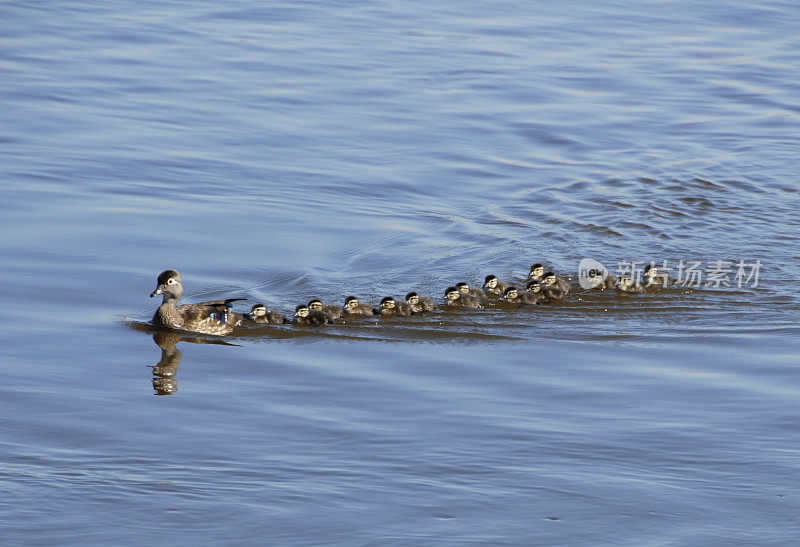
(205,319)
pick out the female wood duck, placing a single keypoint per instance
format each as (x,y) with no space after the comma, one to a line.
(213,317)
(353,307)
(261,315)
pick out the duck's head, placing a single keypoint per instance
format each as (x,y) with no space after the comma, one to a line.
(315,305)
(463,287)
(351,302)
(259,310)
(537,271)
(533,286)
(511,293)
(490,281)
(170,284)
(549,278)
(388,303)
(301,311)
(412,298)
(452,294)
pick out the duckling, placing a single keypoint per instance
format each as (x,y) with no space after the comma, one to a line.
(493,286)
(305,317)
(511,295)
(472,291)
(532,293)
(626,284)
(419,304)
(261,315)
(653,277)
(212,317)
(353,307)
(455,298)
(334,312)
(514,296)
(536,273)
(389,307)
(600,283)
(550,281)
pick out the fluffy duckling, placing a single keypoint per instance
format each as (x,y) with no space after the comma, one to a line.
(419,304)
(653,277)
(627,284)
(455,298)
(551,281)
(212,317)
(522,298)
(353,307)
(305,317)
(334,312)
(389,307)
(493,286)
(261,315)
(536,273)
(532,293)
(511,295)
(600,283)
(464,287)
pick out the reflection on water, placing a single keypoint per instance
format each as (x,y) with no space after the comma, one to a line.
(164,380)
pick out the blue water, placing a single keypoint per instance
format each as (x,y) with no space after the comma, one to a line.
(283,151)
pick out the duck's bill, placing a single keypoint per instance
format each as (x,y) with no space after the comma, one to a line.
(156,292)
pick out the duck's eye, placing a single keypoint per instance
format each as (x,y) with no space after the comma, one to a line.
(170,281)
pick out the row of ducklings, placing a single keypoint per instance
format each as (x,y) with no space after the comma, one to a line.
(541,288)
(217,318)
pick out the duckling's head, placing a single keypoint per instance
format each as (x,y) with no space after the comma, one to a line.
(511,293)
(351,302)
(170,284)
(412,298)
(301,311)
(625,281)
(315,305)
(490,281)
(549,278)
(259,310)
(462,287)
(452,294)
(388,303)
(537,271)
(533,286)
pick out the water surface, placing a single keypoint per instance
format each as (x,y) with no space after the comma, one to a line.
(312,149)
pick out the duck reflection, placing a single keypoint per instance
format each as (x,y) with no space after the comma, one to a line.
(164,381)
